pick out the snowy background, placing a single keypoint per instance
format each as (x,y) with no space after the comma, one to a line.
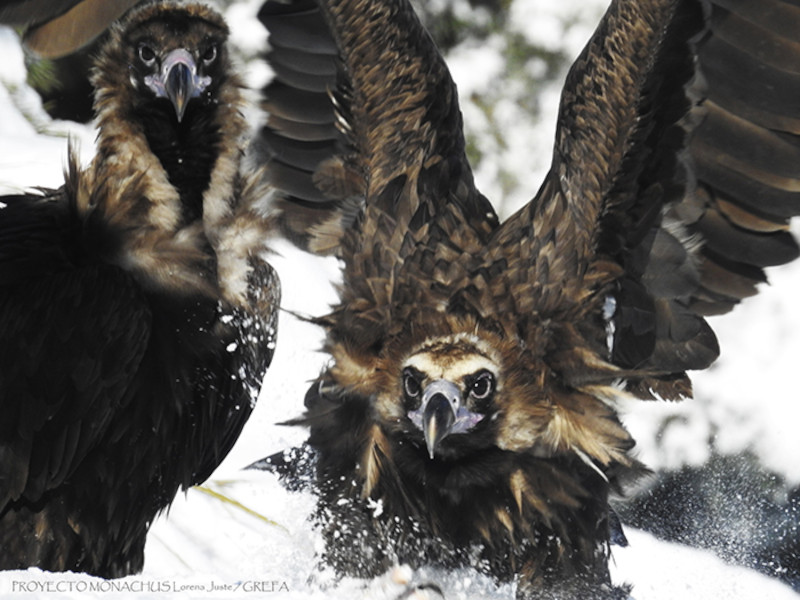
(256,540)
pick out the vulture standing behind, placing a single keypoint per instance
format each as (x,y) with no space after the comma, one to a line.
(137,315)
(467,414)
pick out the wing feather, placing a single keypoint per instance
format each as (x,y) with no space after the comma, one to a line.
(60,385)
(676,157)
(383,84)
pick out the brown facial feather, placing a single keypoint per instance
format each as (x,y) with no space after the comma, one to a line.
(235,220)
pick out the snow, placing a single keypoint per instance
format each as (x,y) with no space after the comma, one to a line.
(661,571)
(205,547)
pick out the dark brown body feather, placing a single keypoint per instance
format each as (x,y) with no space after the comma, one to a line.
(136,311)
(669,192)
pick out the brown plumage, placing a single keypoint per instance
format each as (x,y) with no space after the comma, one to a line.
(55,28)
(137,310)
(467,413)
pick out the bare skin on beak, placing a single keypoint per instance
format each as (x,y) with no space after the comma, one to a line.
(442,413)
(440,399)
(178,80)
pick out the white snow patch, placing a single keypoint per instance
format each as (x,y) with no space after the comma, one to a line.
(663,571)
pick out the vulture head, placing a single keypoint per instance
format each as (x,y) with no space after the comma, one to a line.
(174,58)
(169,108)
(448,387)
(460,400)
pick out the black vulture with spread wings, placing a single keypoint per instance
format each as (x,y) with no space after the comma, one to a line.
(137,312)
(467,414)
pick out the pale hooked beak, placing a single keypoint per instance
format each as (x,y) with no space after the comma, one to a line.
(441,414)
(178,80)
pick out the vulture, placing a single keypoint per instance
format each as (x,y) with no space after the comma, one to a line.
(468,412)
(137,309)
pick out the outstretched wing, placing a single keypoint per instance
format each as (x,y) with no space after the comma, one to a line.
(365,133)
(301,134)
(73,338)
(365,141)
(670,189)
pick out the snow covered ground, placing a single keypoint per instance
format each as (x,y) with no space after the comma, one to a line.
(209,548)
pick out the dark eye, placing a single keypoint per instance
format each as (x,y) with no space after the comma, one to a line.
(482,386)
(210,55)
(147,55)
(411,384)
